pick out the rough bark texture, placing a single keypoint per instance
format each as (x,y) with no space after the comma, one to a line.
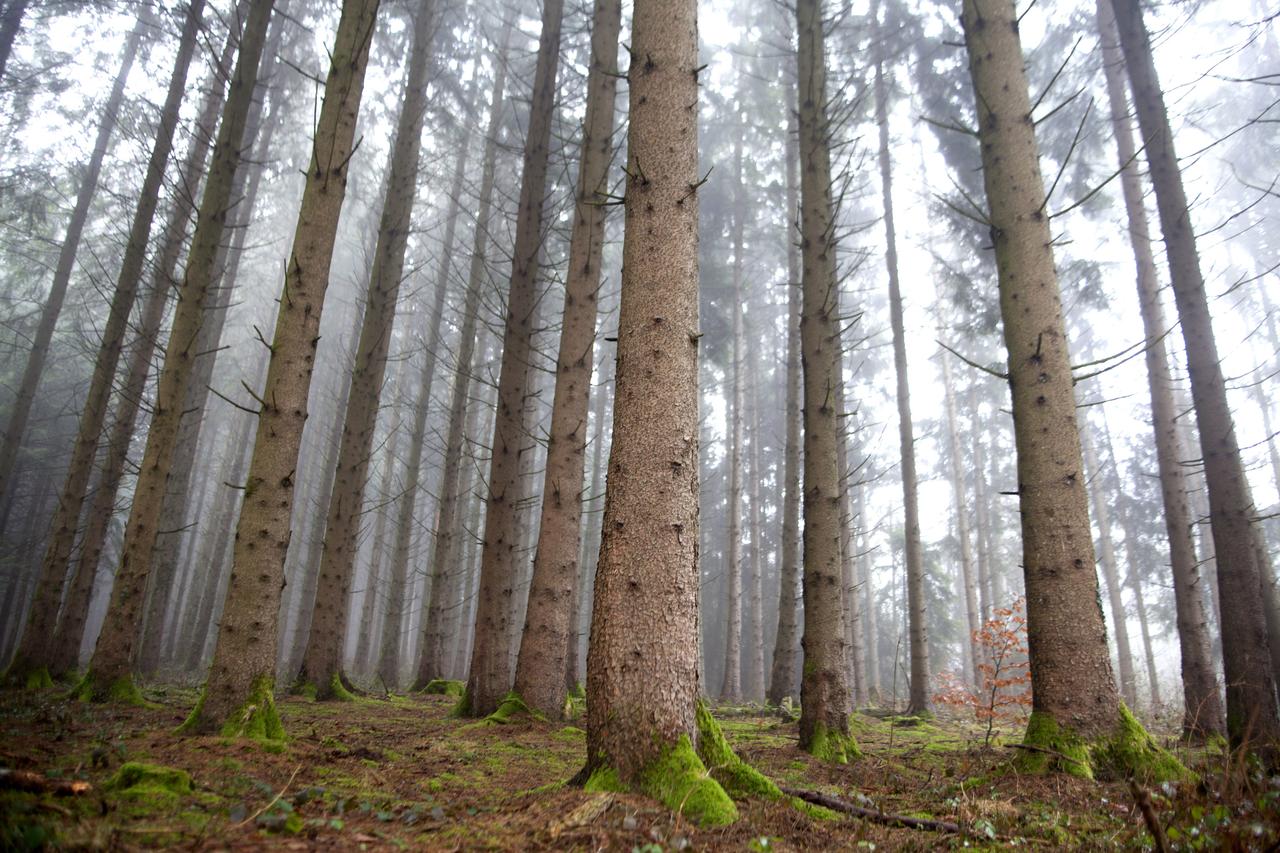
(545,645)
(490,675)
(45,606)
(244,660)
(39,643)
(642,664)
(10,24)
(1072,683)
(1202,701)
(1251,703)
(322,662)
(972,620)
(824,690)
(849,581)
(784,676)
(431,649)
(113,656)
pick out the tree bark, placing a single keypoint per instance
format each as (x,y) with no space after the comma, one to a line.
(10,24)
(244,658)
(322,662)
(1072,684)
(849,580)
(1251,688)
(824,690)
(110,668)
(753,676)
(490,675)
(545,645)
(1202,701)
(972,620)
(371,621)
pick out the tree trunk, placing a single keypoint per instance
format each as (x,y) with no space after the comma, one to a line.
(45,605)
(10,24)
(988,596)
(972,620)
(431,651)
(871,632)
(244,658)
(490,675)
(1075,702)
(1251,688)
(592,522)
(370,618)
(753,677)
(1110,572)
(1139,601)
(322,662)
(824,690)
(110,669)
(40,644)
(1202,702)
(642,665)
(784,675)
(545,645)
(849,581)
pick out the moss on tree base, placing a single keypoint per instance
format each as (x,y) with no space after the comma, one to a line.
(680,781)
(38,679)
(512,706)
(444,687)
(122,690)
(831,746)
(338,691)
(738,778)
(1129,751)
(256,719)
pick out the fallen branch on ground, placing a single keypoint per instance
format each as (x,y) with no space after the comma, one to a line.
(836,804)
(34,783)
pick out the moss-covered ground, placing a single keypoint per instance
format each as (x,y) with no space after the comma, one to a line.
(403,774)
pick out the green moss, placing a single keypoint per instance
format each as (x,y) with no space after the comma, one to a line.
(122,691)
(39,679)
(737,777)
(256,719)
(832,746)
(1053,748)
(338,691)
(578,692)
(604,779)
(305,689)
(155,785)
(1128,751)
(512,706)
(445,687)
(680,781)
(814,811)
(462,708)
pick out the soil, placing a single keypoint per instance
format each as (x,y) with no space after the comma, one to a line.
(402,773)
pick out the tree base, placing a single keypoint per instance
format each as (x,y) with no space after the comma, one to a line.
(831,746)
(444,687)
(256,719)
(22,675)
(122,690)
(680,781)
(1129,751)
(512,706)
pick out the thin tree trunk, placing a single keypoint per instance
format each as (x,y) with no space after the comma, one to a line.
(110,669)
(592,522)
(431,664)
(45,605)
(824,690)
(988,596)
(490,675)
(972,619)
(244,658)
(871,634)
(10,24)
(753,677)
(849,581)
(322,662)
(1251,688)
(546,646)
(1139,601)
(370,620)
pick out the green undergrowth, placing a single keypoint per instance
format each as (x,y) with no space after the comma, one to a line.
(445,687)
(1128,751)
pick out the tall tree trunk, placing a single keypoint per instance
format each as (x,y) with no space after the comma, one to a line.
(1202,701)
(431,664)
(871,632)
(592,523)
(45,606)
(10,24)
(824,690)
(244,659)
(919,701)
(753,676)
(39,643)
(972,620)
(1075,703)
(849,581)
(322,662)
(642,683)
(490,675)
(370,619)
(110,669)
(1140,604)
(784,675)
(546,644)
(989,597)
(1251,688)
(1110,571)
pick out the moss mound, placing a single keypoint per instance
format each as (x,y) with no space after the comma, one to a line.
(157,785)
(444,687)
(738,778)
(1128,751)
(512,707)
(338,691)
(680,781)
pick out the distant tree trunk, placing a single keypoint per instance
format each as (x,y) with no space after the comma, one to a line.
(972,620)
(849,580)
(431,651)
(40,644)
(871,632)
(1202,702)
(546,644)
(753,677)
(1140,605)
(784,675)
(367,641)
(988,596)
(10,24)
(591,540)
(1075,701)
(1110,570)
(322,662)
(642,684)
(824,690)
(244,658)
(45,606)
(110,669)
(490,675)
(1251,688)
(176,514)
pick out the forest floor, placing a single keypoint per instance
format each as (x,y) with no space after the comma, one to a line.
(401,773)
